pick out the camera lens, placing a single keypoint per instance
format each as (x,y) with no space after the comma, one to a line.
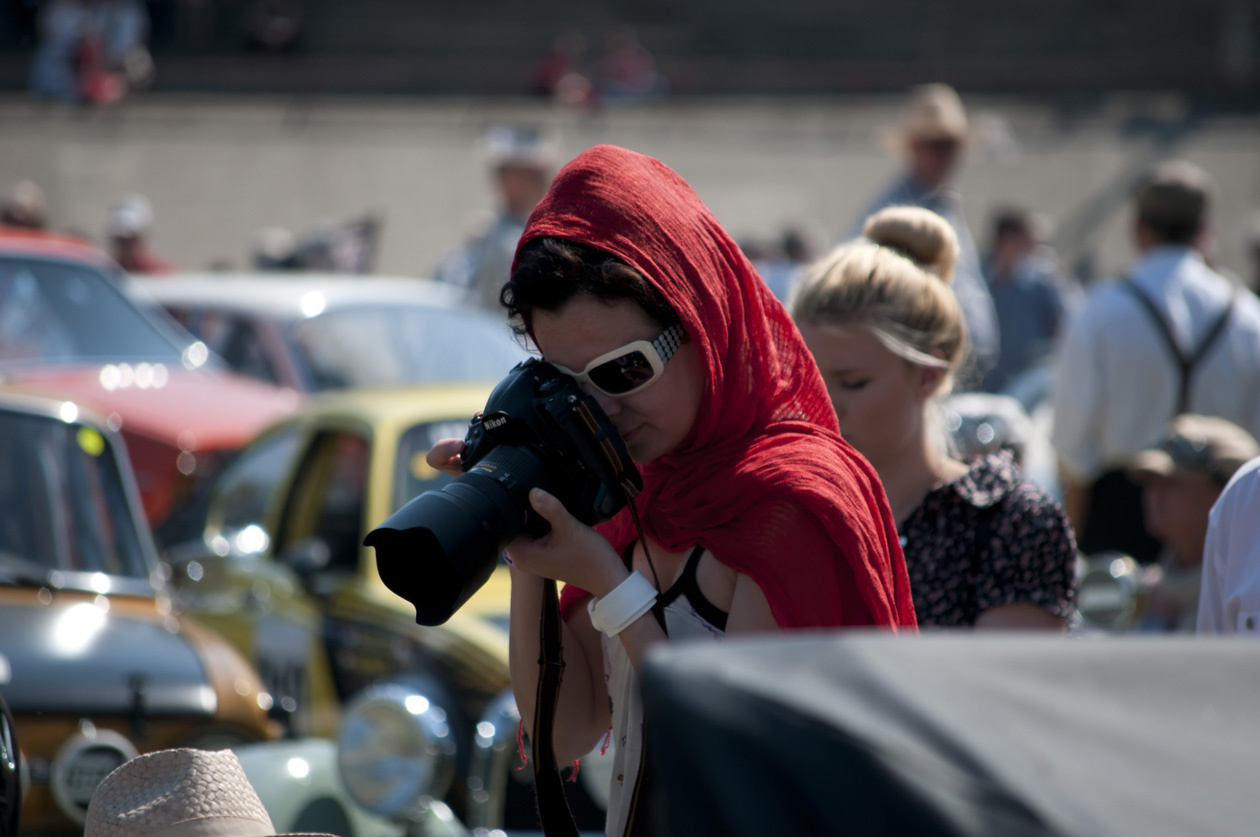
(441,547)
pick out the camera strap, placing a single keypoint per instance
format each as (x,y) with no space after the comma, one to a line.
(553,807)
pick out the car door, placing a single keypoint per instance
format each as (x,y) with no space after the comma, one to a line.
(229,580)
(249,345)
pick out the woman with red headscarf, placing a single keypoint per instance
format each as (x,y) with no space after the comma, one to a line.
(755,514)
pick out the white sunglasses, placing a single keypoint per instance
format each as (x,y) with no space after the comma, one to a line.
(632,367)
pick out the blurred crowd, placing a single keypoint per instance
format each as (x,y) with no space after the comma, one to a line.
(1159,366)
(91,51)
(1131,405)
(1053,455)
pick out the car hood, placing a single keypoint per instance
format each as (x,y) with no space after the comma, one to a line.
(75,657)
(197,409)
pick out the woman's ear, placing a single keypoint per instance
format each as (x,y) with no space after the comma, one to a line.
(930,378)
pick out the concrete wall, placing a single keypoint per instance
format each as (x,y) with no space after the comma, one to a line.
(219,169)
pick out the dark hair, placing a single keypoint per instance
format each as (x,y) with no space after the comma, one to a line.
(1172,201)
(1011,220)
(551,271)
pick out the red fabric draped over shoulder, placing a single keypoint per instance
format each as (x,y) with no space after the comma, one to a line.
(764,480)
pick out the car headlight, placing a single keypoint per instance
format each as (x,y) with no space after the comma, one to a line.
(394,750)
(1109,590)
(83,761)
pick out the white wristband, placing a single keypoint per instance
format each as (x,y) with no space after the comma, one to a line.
(623,605)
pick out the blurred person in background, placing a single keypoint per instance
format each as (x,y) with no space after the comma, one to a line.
(112,54)
(1181,479)
(273,25)
(61,26)
(782,268)
(523,161)
(275,248)
(122,27)
(1252,245)
(1029,294)
(984,547)
(129,225)
(23,207)
(562,60)
(627,72)
(1171,337)
(932,137)
(1229,599)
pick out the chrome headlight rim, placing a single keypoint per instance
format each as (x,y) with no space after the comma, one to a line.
(494,748)
(1112,577)
(371,762)
(62,776)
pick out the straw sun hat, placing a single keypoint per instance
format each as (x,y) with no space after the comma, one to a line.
(933,112)
(179,793)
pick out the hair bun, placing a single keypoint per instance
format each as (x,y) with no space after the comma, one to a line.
(920,235)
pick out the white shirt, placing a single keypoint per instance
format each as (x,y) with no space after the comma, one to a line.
(1229,600)
(685,625)
(1116,386)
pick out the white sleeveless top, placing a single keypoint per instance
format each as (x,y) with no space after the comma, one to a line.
(683,623)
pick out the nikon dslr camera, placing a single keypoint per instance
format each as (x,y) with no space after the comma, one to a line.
(538,430)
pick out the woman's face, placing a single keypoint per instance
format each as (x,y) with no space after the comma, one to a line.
(879,398)
(656,419)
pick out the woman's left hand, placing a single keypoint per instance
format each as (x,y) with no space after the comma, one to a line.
(571,552)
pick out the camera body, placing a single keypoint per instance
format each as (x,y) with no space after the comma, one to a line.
(541,410)
(538,430)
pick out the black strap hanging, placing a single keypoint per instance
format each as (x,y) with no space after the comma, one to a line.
(553,806)
(1185,363)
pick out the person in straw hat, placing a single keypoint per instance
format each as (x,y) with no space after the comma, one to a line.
(931,137)
(23,207)
(523,160)
(179,793)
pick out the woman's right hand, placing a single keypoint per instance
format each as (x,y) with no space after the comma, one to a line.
(446,457)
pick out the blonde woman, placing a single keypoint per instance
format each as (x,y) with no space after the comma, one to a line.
(984,547)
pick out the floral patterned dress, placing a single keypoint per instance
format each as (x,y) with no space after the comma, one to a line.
(988,538)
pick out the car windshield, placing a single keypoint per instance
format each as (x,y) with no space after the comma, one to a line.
(388,345)
(59,311)
(65,505)
(412,474)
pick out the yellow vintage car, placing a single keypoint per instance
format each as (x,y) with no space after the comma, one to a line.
(95,663)
(270,554)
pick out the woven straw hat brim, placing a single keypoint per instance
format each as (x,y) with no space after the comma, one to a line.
(180,793)
(226,827)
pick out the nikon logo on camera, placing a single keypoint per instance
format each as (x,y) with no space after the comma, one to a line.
(496,422)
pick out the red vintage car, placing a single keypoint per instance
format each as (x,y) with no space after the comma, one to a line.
(68,331)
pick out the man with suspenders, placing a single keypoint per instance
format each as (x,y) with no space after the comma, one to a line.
(1172,337)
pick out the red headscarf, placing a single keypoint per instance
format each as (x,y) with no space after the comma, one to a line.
(763,480)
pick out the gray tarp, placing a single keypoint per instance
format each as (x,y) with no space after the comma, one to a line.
(956,735)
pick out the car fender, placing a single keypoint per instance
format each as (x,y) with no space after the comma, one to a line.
(300,785)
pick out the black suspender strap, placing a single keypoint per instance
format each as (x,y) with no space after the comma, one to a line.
(1186,364)
(553,807)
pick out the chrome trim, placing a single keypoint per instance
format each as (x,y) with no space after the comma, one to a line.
(490,764)
(373,750)
(83,761)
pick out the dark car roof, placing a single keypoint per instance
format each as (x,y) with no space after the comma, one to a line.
(865,734)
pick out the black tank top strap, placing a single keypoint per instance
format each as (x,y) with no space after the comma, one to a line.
(688,585)
(627,555)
